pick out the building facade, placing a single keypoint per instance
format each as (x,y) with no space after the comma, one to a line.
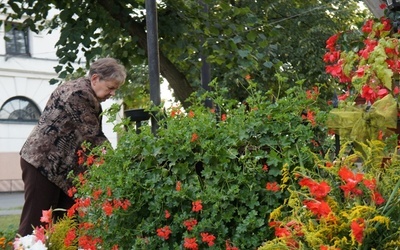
(27,62)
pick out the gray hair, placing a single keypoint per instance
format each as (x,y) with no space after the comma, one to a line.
(108,69)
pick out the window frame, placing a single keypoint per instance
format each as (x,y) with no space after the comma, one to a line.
(20,121)
(12,32)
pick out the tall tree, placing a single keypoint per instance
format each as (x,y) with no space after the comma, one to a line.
(239,38)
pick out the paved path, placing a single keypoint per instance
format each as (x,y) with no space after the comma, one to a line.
(11,203)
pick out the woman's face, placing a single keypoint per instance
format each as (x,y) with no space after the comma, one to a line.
(103,89)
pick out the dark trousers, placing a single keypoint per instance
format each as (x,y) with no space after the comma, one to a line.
(40,194)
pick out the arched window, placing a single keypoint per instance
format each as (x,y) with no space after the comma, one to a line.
(19,109)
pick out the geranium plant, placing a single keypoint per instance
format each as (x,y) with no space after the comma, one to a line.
(209,178)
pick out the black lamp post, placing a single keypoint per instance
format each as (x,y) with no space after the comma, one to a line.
(153,57)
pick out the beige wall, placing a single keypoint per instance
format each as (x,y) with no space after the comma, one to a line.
(10,173)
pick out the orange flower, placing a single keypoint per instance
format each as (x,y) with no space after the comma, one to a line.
(178,186)
(194,137)
(191,114)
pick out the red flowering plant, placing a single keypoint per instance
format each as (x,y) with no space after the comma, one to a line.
(341,205)
(365,65)
(52,235)
(209,178)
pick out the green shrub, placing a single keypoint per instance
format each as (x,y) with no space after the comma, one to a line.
(229,159)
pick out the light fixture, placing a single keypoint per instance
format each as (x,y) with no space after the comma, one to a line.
(393,4)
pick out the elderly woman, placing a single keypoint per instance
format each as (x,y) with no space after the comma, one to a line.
(71,116)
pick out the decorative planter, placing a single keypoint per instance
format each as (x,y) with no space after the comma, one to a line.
(137,116)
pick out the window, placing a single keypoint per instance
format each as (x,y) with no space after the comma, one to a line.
(19,108)
(17,42)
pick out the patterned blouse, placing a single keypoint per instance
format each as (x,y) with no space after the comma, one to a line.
(71,116)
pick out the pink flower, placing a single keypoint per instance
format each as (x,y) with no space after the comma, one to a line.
(46,216)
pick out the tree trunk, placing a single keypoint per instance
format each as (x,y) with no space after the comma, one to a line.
(176,79)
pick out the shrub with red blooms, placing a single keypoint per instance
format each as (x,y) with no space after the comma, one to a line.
(209,178)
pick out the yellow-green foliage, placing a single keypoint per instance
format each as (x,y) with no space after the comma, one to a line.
(59,232)
(378,224)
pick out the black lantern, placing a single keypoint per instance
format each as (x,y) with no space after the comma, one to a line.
(393,4)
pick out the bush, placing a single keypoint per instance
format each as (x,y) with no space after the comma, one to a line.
(209,177)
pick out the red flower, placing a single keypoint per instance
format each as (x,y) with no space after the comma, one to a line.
(223,117)
(167,214)
(331,42)
(351,180)
(82,179)
(228,246)
(164,232)
(108,208)
(109,192)
(81,156)
(318,208)
(125,204)
(310,117)
(190,243)
(282,232)
(357,228)
(96,194)
(196,206)
(208,238)
(90,160)
(367,27)
(88,243)
(72,191)
(70,237)
(318,190)
(370,184)
(272,186)
(265,167)
(189,224)
(378,199)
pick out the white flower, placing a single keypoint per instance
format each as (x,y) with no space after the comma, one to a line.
(38,246)
(29,242)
